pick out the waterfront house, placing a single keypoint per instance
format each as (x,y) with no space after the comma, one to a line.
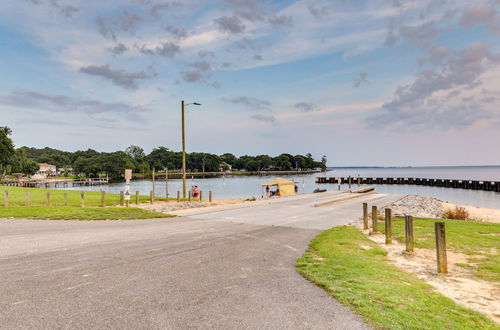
(46,170)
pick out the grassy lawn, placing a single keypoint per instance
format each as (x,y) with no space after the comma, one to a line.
(385,296)
(38,197)
(77,213)
(481,240)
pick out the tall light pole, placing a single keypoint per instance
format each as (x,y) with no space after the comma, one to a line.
(184,149)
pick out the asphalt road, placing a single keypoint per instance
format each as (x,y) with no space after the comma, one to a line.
(223,268)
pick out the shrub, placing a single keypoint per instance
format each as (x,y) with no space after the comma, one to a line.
(458,213)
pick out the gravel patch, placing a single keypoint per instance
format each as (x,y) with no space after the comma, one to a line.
(417,206)
(172,206)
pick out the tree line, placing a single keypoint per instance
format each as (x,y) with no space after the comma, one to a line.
(93,163)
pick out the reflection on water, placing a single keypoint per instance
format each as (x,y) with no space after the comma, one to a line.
(248,186)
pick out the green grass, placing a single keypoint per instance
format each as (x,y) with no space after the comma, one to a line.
(76,213)
(472,238)
(385,296)
(38,197)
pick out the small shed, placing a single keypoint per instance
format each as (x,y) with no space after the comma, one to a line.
(286,187)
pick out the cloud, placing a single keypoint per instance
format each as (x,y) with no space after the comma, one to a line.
(65,104)
(230,24)
(318,12)
(305,106)
(420,103)
(121,78)
(166,49)
(178,33)
(423,35)
(159,7)
(482,13)
(104,29)
(206,53)
(64,10)
(251,102)
(360,80)
(265,118)
(200,72)
(281,20)
(127,22)
(118,49)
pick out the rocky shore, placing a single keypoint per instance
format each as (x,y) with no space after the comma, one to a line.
(426,207)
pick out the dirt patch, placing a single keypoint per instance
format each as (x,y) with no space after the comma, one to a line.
(171,206)
(459,284)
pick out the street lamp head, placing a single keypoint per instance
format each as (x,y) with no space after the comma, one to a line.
(195,103)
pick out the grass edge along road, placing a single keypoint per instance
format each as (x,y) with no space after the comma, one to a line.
(479,240)
(75,213)
(354,270)
(39,208)
(38,197)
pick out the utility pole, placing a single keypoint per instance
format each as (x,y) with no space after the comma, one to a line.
(184,148)
(183,154)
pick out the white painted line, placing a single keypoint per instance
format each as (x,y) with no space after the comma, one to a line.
(79,285)
(19,302)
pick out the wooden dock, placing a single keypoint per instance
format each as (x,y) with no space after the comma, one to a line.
(446,183)
(55,183)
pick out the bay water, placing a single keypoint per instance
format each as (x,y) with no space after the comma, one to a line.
(236,187)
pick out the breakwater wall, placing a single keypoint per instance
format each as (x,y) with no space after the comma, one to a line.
(447,183)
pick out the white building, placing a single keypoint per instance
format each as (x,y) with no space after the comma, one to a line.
(46,170)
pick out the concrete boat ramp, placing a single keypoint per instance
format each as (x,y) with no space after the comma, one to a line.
(226,267)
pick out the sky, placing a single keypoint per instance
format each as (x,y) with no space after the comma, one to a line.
(365,83)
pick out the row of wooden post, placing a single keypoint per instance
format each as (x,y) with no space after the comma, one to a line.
(439,229)
(103,198)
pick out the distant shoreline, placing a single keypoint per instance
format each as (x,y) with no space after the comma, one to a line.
(413,167)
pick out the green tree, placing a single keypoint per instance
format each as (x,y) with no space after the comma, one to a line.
(22,164)
(7,150)
(282,162)
(228,158)
(265,162)
(135,152)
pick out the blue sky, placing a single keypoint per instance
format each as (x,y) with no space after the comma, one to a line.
(363,82)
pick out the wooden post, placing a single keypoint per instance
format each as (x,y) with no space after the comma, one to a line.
(137,197)
(27,199)
(151,198)
(374,219)
(103,198)
(154,183)
(126,203)
(365,215)
(210,196)
(190,194)
(6,198)
(201,196)
(349,182)
(166,183)
(178,196)
(48,199)
(65,199)
(82,197)
(442,260)
(388,226)
(409,233)
(121,198)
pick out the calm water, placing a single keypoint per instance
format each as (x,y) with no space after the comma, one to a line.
(248,186)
